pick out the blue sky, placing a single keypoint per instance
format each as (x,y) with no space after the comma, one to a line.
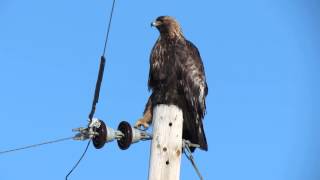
(262,65)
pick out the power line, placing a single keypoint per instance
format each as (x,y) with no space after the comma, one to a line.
(97,89)
(108,30)
(189,156)
(101,68)
(35,145)
(93,108)
(98,86)
(75,166)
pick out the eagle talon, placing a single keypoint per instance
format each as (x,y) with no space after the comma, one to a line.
(142,124)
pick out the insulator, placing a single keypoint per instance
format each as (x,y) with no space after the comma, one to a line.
(100,139)
(130,135)
(104,135)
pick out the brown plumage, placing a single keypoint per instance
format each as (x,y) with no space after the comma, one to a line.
(177,77)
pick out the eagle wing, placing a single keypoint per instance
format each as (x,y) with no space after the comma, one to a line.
(192,76)
(153,58)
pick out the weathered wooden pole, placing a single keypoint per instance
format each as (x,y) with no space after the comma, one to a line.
(166,146)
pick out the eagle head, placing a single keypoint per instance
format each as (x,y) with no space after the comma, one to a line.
(167,26)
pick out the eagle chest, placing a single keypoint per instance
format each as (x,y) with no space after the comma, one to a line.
(163,62)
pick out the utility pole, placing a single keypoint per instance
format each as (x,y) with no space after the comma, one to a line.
(166,146)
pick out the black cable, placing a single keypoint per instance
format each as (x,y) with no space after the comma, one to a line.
(189,156)
(101,68)
(97,89)
(75,166)
(109,25)
(35,145)
(98,86)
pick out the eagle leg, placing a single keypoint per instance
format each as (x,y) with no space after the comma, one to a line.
(146,120)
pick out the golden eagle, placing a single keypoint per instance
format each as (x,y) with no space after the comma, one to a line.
(177,77)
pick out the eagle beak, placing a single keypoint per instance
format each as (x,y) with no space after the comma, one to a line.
(155,24)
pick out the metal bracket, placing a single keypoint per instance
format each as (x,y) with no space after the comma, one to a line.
(84,133)
(88,132)
(186,144)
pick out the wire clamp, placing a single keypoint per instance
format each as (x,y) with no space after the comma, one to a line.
(186,144)
(83,133)
(88,132)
